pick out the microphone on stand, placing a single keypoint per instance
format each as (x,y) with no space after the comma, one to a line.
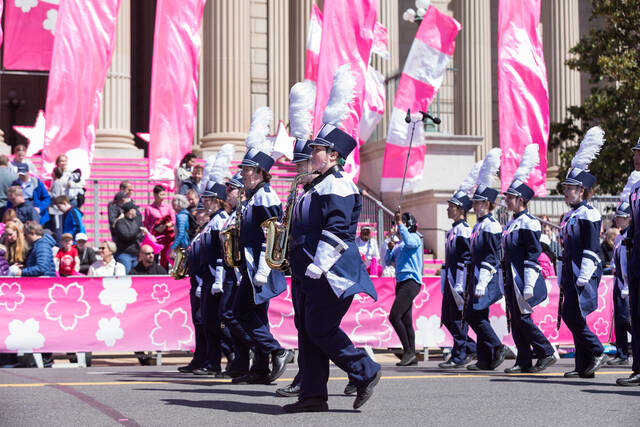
(407,118)
(435,120)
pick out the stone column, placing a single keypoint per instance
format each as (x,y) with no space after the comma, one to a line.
(279,54)
(388,16)
(560,32)
(472,60)
(113,136)
(227,74)
(299,12)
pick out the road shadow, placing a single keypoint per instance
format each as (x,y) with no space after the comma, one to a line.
(621,391)
(231,406)
(236,391)
(548,380)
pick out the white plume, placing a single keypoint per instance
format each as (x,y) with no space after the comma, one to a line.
(530,159)
(302,99)
(589,148)
(626,191)
(208,164)
(220,168)
(489,167)
(341,95)
(471,179)
(260,125)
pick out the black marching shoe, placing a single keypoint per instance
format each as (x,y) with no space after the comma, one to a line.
(634,379)
(595,364)
(450,364)
(618,361)
(479,367)
(289,391)
(516,369)
(544,363)
(186,369)
(350,389)
(203,371)
(498,357)
(576,374)
(470,358)
(234,374)
(252,378)
(316,404)
(408,359)
(366,391)
(279,360)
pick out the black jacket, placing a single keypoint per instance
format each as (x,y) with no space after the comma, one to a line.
(87,257)
(141,270)
(127,236)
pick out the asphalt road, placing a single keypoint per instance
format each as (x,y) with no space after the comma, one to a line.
(425,395)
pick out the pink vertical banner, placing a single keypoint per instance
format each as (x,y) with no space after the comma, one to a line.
(85,38)
(523,92)
(428,59)
(314,36)
(29,27)
(1,7)
(347,37)
(174,84)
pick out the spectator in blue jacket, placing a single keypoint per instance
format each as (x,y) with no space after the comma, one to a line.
(24,208)
(34,191)
(40,259)
(407,256)
(71,217)
(181,206)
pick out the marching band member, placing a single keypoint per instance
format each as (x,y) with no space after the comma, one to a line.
(241,341)
(485,261)
(325,260)
(213,198)
(622,320)
(525,286)
(581,266)
(407,257)
(259,283)
(633,249)
(453,274)
(301,103)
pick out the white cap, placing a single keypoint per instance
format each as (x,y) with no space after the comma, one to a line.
(81,236)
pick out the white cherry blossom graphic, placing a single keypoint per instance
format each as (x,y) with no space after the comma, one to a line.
(66,305)
(172,331)
(109,331)
(24,336)
(372,328)
(428,331)
(160,293)
(49,24)
(117,293)
(283,316)
(25,5)
(11,296)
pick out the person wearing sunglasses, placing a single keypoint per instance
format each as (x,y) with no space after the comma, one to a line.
(107,266)
(146,264)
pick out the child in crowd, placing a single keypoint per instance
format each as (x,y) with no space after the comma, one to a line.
(67,259)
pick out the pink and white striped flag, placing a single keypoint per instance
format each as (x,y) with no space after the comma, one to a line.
(314,36)
(347,36)
(174,84)
(379,46)
(29,27)
(373,106)
(523,91)
(429,56)
(85,38)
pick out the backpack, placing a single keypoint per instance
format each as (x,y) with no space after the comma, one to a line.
(192,226)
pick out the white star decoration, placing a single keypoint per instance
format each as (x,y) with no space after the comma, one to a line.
(283,143)
(35,134)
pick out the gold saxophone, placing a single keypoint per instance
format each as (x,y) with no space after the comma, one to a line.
(277,233)
(230,237)
(179,268)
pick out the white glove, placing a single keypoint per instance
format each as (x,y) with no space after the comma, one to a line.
(313,271)
(459,287)
(262,274)
(581,282)
(484,277)
(480,290)
(587,268)
(217,284)
(528,292)
(198,291)
(624,292)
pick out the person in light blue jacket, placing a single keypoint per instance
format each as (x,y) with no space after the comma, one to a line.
(407,256)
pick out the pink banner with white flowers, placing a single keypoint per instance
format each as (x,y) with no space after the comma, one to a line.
(424,69)
(85,38)
(174,84)
(29,27)
(153,313)
(523,91)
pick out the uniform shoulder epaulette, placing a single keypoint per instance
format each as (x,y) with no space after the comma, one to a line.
(337,184)
(589,213)
(528,222)
(463,230)
(265,196)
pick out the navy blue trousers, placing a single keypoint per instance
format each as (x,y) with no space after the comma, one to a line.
(241,341)
(530,341)
(621,322)
(488,342)
(586,342)
(255,321)
(200,353)
(634,304)
(295,291)
(320,340)
(463,345)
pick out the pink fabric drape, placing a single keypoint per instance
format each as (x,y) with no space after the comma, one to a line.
(85,38)
(28,34)
(1,7)
(374,102)
(424,69)
(347,37)
(174,84)
(523,92)
(314,36)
